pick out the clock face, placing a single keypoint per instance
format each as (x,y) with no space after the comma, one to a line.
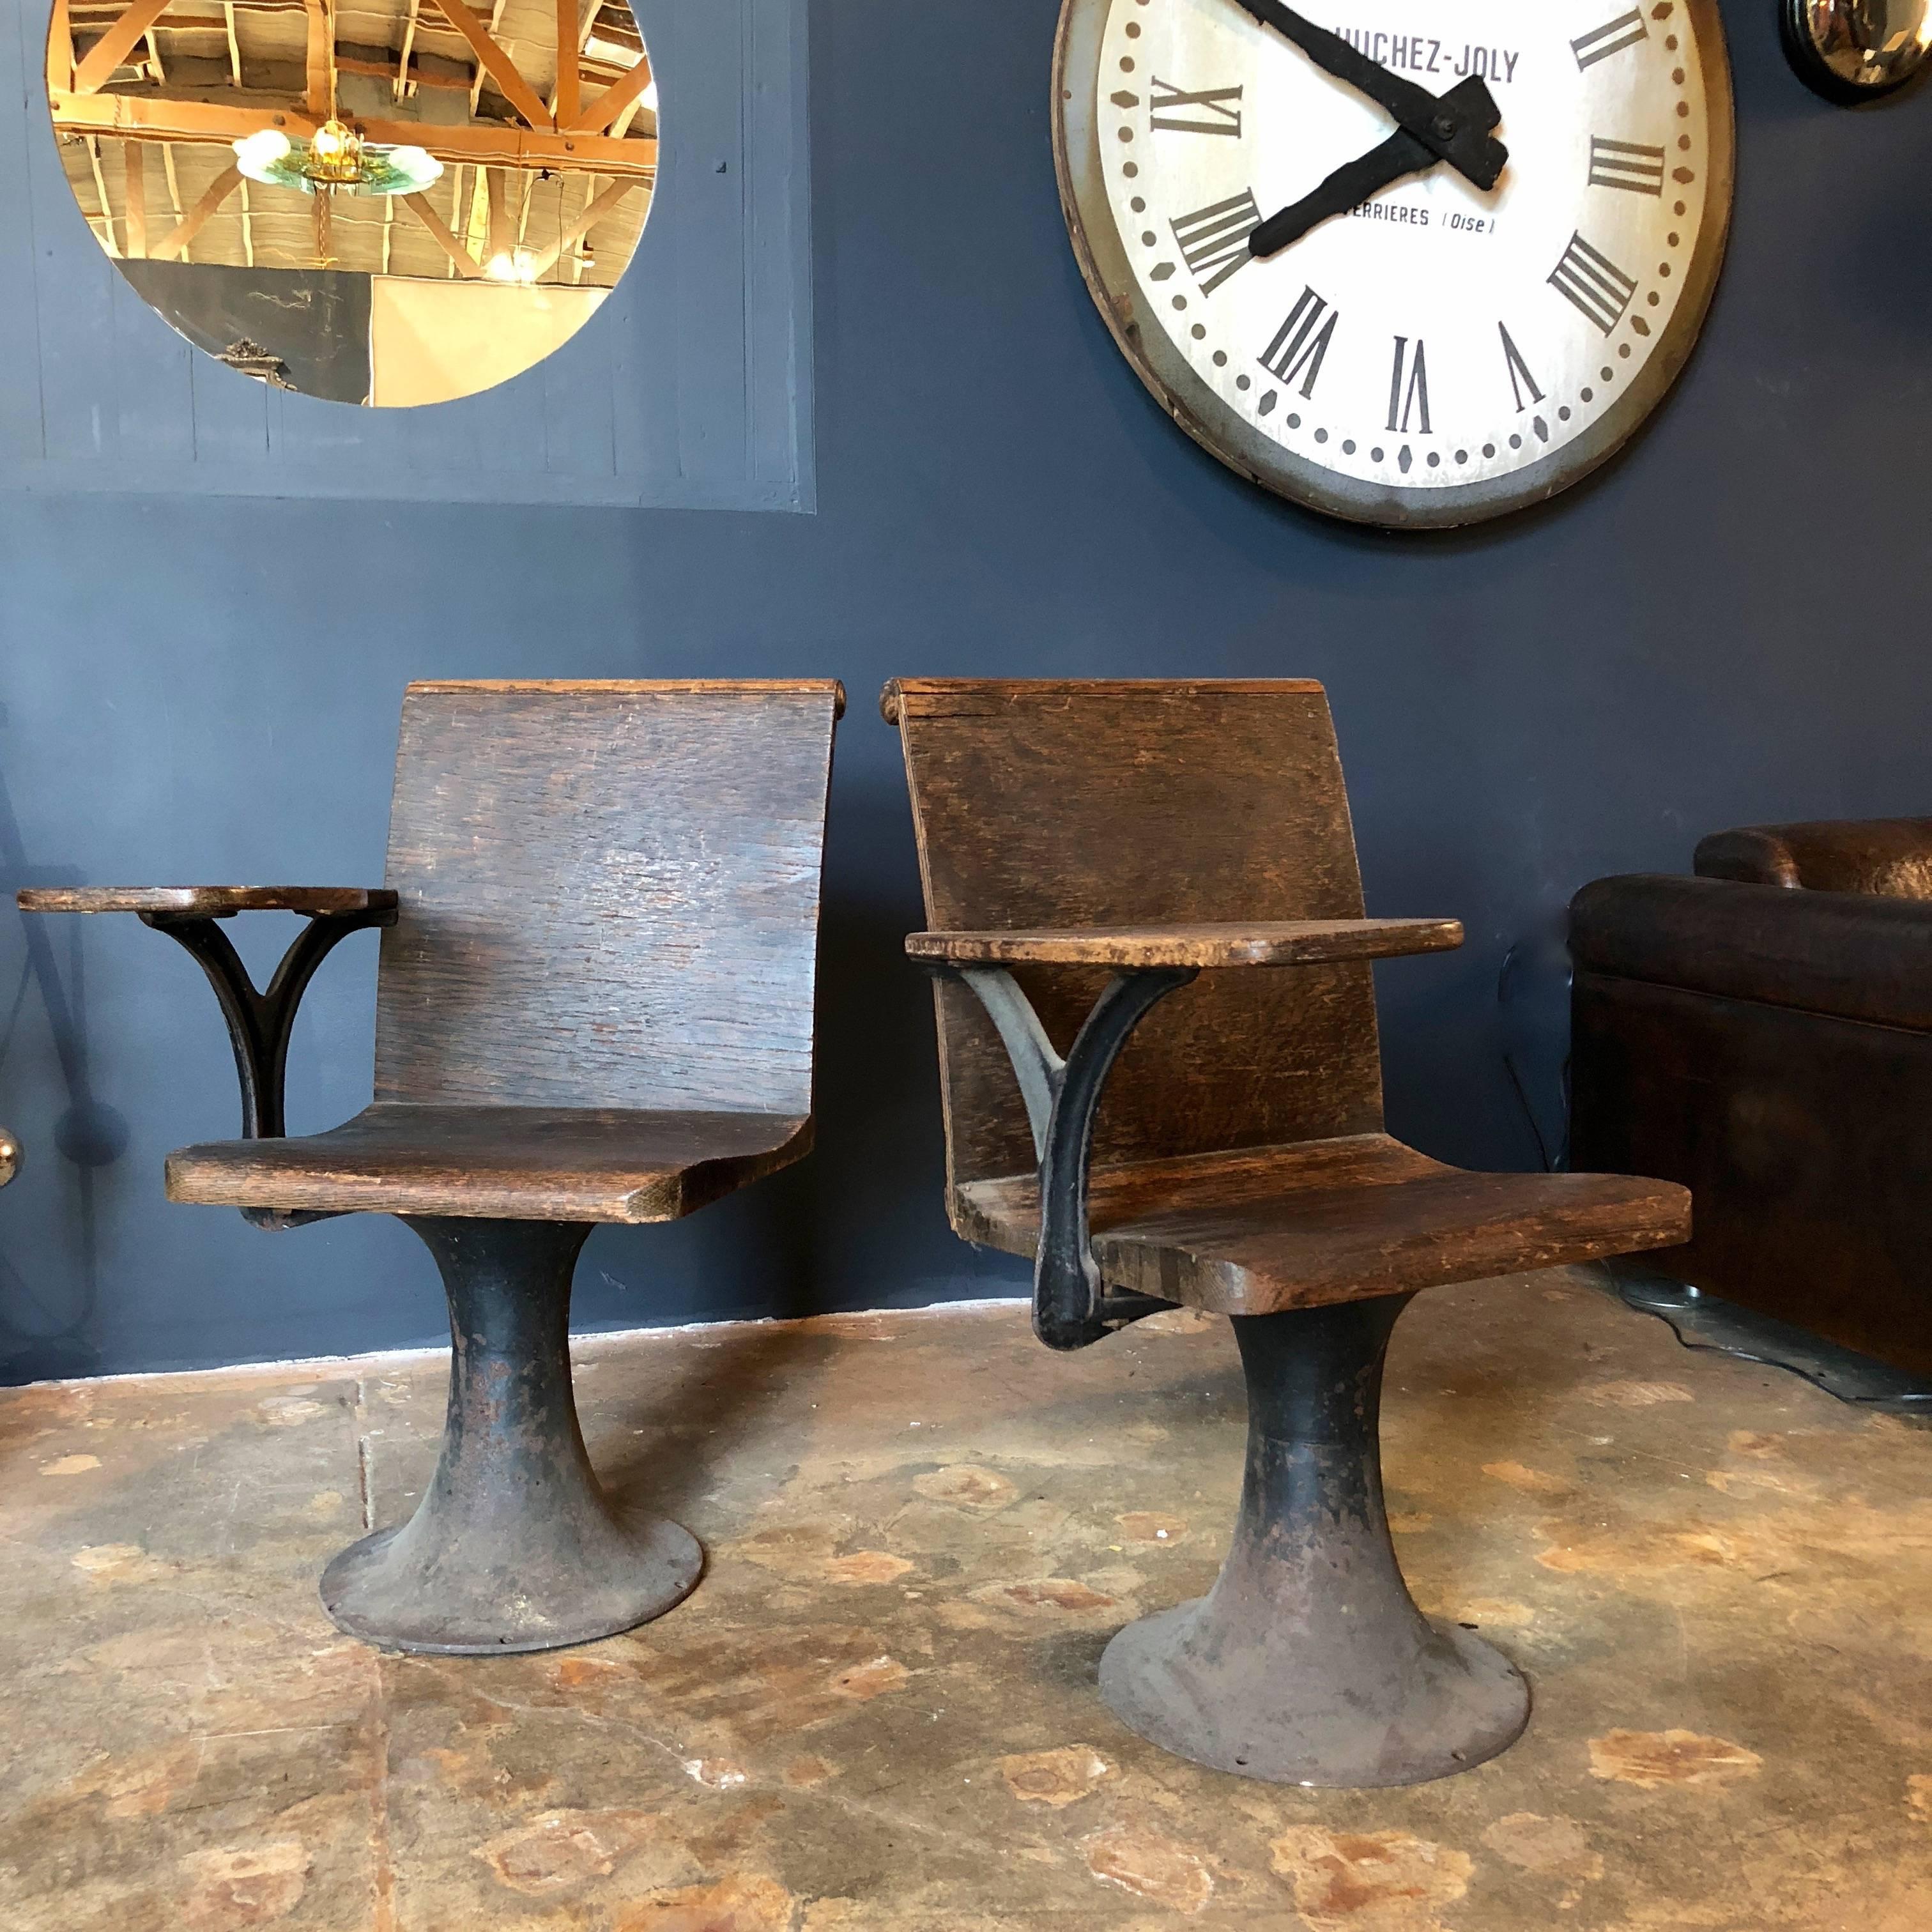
(1436,352)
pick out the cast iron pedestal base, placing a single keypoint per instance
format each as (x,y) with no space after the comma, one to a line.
(514,1547)
(1308,1663)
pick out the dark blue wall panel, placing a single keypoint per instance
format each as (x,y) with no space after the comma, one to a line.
(1727,625)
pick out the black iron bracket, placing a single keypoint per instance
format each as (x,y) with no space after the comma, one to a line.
(259,1022)
(1072,1306)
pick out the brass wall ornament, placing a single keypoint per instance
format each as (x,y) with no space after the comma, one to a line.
(1851,51)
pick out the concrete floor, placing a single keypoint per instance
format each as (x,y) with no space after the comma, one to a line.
(878,1709)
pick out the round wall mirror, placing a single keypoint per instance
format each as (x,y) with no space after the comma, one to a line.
(389,203)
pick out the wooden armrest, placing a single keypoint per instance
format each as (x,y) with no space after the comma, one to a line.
(1298,942)
(259,1020)
(209,901)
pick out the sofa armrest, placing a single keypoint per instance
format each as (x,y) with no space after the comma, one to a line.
(1852,955)
(1891,856)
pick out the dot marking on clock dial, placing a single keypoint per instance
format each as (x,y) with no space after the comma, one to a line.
(1437,334)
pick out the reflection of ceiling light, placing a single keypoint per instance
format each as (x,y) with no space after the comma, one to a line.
(259,152)
(512,265)
(336,148)
(648,98)
(334,157)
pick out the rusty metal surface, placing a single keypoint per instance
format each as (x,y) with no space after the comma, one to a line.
(514,1547)
(1308,1663)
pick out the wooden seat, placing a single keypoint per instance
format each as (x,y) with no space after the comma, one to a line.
(594,1002)
(528,1163)
(1161,1079)
(1264,1229)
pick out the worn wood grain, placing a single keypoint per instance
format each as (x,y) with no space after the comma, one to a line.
(1049,805)
(515,1163)
(1240,1164)
(205,902)
(1286,943)
(598,1002)
(1260,1230)
(609,896)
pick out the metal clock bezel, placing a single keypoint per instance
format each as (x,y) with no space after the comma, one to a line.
(1165,369)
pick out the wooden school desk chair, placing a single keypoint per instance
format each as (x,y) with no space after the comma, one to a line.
(594,1004)
(1168,1089)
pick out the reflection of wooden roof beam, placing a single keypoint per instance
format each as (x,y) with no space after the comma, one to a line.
(144,118)
(321,62)
(470,223)
(516,91)
(97,64)
(234,44)
(134,187)
(386,70)
(401,84)
(581,226)
(174,185)
(502,230)
(458,221)
(108,240)
(460,258)
(567,51)
(509,48)
(175,242)
(612,102)
(60,49)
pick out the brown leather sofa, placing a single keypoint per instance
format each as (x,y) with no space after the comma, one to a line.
(1763,1034)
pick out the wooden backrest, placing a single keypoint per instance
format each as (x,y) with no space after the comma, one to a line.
(1045,804)
(609,895)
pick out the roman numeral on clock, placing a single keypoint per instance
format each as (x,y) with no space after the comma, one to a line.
(1413,399)
(1626,164)
(1520,378)
(1301,342)
(1590,280)
(1213,240)
(1170,111)
(1612,38)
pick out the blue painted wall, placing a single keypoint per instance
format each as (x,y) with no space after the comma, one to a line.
(1728,626)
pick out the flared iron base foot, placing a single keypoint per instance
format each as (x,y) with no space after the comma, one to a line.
(1261,1711)
(514,1545)
(399,1596)
(1309,1663)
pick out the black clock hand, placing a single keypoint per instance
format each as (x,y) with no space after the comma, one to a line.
(1348,187)
(1454,127)
(1352,184)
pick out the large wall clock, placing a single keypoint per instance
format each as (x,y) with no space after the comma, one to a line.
(1414,264)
